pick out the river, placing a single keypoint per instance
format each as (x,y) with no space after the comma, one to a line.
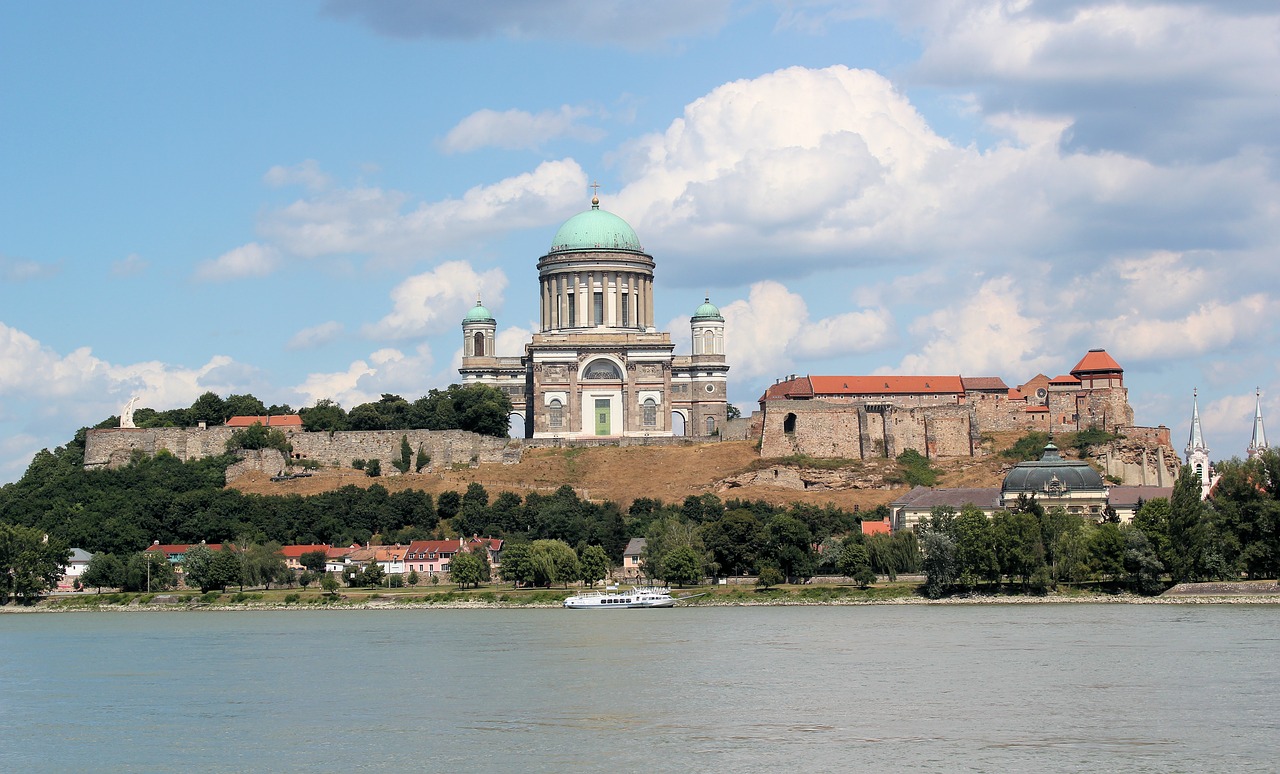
(1062,687)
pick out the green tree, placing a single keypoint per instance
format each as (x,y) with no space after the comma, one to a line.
(30,563)
(939,564)
(1187,528)
(207,569)
(482,409)
(855,562)
(326,415)
(789,546)
(734,542)
(329,584)
(373,574)
(769,577)
(314,561)
(245,406)
(406,455)
(550,562)
(515,564)
(594,564)
(413,578)
(422,460)
(373,468)
(464,569)
(1019,546)
(148,571)
(915,468)
(1028,447)
(255,436)
(682,567)
(975,542)
(1142,564)
(104,570)
(208,408)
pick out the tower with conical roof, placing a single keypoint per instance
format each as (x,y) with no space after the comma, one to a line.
(597,367)
(1258,443)
(1197,451)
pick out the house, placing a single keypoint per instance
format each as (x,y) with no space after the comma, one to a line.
(431,557)
(76,565)
(176,552)
(293,554)
(631,557)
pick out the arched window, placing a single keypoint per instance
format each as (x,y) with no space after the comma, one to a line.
(602,369)
(708,343)
(711,425)
(479,346)
(649,413)
(789,424)
(677,424)
(555,413)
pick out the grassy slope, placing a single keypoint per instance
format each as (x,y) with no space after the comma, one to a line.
(622,475)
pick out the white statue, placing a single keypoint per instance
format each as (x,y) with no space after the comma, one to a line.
(126,413)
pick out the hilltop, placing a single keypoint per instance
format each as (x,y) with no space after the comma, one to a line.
(667,473)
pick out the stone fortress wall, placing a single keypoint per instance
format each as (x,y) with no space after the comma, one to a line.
(113,447)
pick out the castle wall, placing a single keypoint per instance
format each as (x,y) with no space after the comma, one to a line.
(113,447)
(861,431)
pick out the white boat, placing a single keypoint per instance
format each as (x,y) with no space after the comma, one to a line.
(639,596)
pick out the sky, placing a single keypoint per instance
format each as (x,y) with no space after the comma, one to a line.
(301,199)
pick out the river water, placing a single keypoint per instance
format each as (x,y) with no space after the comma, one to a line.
(1054,687)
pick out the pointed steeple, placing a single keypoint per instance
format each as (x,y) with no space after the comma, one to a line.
(1258,444)
(1198,453)
(1196,441)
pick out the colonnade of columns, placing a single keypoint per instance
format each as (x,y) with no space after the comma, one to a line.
(569,300)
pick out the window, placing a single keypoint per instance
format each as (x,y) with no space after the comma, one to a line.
(711,425)
(602,369)
(555,413)
(598,309)
(626,312)
(479,348)
(573,310)
(649,413)
(789,424)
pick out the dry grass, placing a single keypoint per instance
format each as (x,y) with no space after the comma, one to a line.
(624,474)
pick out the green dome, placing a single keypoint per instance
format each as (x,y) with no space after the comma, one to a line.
(478,314)
(708,311)
(1051,472)
(595,229)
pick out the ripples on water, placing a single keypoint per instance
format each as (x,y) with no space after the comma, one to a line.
(964,688)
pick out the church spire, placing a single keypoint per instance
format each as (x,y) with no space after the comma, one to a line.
(1196,441)
(1258,444)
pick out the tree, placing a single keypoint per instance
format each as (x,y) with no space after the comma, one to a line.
(148,571)
(732,412)
(326,415)
(1142,564)
(373,468)
(789,546)
(412,578)
(682,567)
(245,406)
(255,436)
(314,561)
(855,561)
(208,569)
(406,455)
(464,569)
(939,563)
(594,564)
(208,408)
(30,563)
(1187,529)
(482,409)
(1019,546)
(549,562)
(329,584)
(734,542)
(104,570)
(975,544)
(769,577)
(372,575)
(421,460)
(515,564)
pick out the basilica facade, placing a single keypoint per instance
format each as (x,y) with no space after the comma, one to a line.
(598,367)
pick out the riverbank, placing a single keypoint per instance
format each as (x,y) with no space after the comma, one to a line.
(1247,592)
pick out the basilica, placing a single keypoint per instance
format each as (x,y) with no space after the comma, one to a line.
(598,367)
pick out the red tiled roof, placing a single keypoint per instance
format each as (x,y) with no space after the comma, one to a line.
(1037,409)
(886,385)
(295,552)
(1064,379)
(1097,361)
(983,383)
(281,420)
(798,388)
(875,528)
(175,549)
(438,547)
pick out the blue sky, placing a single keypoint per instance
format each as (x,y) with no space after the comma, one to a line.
(301,199)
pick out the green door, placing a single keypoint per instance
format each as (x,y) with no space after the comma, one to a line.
(602,416)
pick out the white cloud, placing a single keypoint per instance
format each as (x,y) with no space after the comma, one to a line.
(130,266)
(306,174)
(251,260)
(767,330)
(1204,329)
(386,370)
(376,222)
(19,270)
(315,336)
(437,300)
(985,332)
(518,129)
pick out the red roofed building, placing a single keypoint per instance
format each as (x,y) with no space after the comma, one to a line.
(432,557)
(861,417)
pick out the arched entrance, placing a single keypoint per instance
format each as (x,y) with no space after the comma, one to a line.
(678,424)
(515,425)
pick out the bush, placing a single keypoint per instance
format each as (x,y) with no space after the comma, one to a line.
(373,468)
(210,597)
(769,577)
(1028,447)
(290,599)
